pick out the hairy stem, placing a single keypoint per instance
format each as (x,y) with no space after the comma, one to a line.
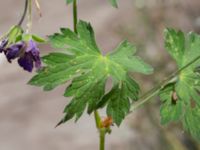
(153,92)
(102,131)
(29,24)
(24,13)
(97,119)
(102,134)
(75,15)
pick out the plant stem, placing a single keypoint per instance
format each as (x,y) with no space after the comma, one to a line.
(24,13)
(102,131)
(102,134)
(20,21)
(97,119)
(153,92)
(29,24)
(75,15)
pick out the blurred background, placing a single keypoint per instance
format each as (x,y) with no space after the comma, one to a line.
(28,115)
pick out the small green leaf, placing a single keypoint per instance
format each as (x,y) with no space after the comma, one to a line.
(14,33)
(38,39)
(26,37)
(19,38)
(88,70)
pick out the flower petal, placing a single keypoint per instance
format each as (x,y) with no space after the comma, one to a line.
(32,46)
(34,50)
(37,61)
(26,62)
(13,51)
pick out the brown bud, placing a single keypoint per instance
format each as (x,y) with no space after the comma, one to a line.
(107,122)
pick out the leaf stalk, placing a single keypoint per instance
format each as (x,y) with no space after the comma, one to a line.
(75,15)
(154,91)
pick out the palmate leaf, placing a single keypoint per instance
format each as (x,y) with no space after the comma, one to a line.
(112,2)
(88,70)
(185,106)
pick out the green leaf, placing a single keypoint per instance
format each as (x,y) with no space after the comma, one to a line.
(119,99)
(171,108)
(191,121)
(26,37)
(123,55)
(183,48)
(38,39)
(175,44)
(14,33)
(82,63)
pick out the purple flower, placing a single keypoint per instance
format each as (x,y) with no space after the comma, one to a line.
(27,53)
(26,62)
(14,51)
(31,57)
(3,45)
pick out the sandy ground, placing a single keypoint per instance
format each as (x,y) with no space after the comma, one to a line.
(27,114)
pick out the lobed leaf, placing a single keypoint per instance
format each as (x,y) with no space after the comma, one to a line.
(82,64)
(183,48)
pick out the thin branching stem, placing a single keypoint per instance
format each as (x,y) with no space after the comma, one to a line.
(154,91)
(24,13)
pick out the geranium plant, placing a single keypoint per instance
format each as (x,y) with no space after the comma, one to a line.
(77,60)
